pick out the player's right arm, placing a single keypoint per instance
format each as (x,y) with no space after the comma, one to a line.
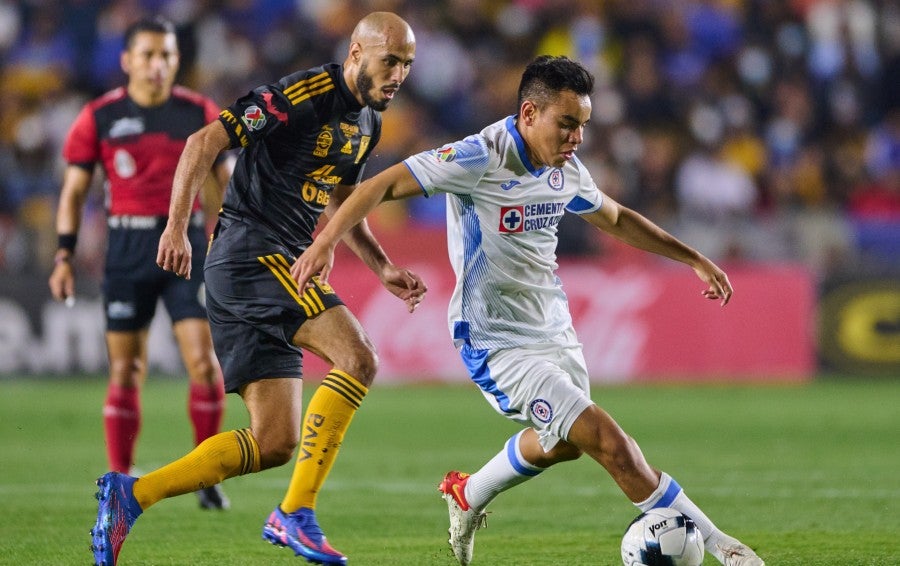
(196,161)
(76,182)
(393,183)
(636,230)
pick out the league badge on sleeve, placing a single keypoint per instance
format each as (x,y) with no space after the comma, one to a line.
(254,118)
(446,154)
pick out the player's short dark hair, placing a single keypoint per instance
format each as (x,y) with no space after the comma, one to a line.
(546,76)
(156,24)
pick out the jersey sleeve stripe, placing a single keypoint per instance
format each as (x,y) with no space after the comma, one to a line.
(306,81)
(580,205)
(311,85)
(234,128)
(310,94)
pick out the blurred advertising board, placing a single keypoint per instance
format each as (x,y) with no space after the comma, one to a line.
(859,326)
(638,322)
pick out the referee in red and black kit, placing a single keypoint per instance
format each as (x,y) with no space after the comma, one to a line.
(136,133)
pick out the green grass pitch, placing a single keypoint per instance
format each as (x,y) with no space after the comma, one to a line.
(806,474)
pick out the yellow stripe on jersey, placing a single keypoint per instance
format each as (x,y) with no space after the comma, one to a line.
(304,82)
(307,88)
(280,268)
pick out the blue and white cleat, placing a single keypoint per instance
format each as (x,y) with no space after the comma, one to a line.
(301,533)
(117,510)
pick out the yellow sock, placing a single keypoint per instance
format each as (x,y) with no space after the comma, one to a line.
(326,421)
(219,457)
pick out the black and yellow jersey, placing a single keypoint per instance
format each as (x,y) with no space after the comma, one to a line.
(300,137)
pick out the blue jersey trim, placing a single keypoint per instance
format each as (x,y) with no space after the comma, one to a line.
(461,330)
(581,205)
(421,185)
(480,373)
(520,147)
(669,496)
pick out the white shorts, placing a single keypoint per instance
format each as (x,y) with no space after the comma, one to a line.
(544,386)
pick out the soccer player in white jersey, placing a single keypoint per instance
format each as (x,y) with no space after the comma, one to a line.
(507,188)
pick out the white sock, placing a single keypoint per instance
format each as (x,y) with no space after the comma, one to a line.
(505,470)
(670,494)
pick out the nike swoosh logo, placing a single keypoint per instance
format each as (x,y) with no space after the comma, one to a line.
(460,497)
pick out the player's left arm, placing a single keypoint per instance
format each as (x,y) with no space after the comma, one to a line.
(636,230)
(213,192)
(347,222)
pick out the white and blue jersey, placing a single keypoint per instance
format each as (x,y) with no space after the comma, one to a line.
(502,217)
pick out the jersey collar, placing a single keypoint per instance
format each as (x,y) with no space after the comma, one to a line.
(520,147)
(352,104)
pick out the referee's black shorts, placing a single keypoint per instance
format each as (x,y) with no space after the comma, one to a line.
(133,283)
(255,307)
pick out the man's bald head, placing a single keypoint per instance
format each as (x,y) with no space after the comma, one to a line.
(382,49)
(380,27)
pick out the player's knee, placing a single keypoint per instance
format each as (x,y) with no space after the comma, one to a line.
(274,453)
(602,438)
(126,371)
(562,452)
(362,364)
(202,368)
(565,451)
(276,445)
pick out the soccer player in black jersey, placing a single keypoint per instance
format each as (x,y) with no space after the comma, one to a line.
(305,140)
(135,134)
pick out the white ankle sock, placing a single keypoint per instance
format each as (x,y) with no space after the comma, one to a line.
(505,470)
(670,494)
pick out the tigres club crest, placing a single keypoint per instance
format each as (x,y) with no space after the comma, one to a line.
(323,142)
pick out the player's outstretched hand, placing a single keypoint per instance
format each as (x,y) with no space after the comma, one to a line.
(317,259)
(405,284)
(174,252)
(719,285)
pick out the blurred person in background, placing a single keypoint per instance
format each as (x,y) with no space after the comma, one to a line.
(792,60)
(136,133)
(507,188)
(304,141)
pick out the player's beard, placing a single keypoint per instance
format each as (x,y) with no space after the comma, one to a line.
(364,85)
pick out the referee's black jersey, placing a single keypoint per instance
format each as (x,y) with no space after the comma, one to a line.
(300,137)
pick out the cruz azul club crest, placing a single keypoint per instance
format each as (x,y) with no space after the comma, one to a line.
(556,179)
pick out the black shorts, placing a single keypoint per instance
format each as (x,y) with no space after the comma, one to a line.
(255,307)
(133,283)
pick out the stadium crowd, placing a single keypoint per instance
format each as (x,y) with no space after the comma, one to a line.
(757,130)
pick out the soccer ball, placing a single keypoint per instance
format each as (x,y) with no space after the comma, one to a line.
(662,537)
